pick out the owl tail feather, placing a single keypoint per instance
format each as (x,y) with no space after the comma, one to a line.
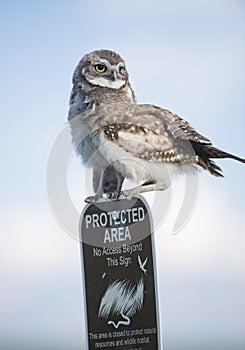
(205,152)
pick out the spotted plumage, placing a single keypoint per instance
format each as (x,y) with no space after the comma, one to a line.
(121,139)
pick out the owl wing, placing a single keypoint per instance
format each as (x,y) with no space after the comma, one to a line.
(147,132)
(157,135)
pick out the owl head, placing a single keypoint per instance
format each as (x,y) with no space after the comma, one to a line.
(103,68)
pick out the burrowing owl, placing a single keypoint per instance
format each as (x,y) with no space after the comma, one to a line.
(121,139)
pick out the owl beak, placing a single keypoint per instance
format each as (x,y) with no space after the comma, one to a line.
(113,75)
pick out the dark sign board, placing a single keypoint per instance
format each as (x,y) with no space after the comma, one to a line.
(119,276)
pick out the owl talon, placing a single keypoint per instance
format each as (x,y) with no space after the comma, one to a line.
(120,195)
(90,199)
(113,196)
(95,199)
(110,196)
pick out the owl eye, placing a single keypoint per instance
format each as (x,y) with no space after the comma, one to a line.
(100,68)
(122,70)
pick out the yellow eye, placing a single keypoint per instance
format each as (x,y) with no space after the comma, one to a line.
(100,68)
(122,70)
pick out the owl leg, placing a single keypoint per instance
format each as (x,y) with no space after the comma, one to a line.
(107,184)
(111,180)
(111,183)
(146,187)
(115,191)
(133,192)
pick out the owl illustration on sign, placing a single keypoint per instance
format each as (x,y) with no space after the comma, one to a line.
(122,299)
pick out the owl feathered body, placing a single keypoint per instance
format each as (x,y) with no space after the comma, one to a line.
(121,139)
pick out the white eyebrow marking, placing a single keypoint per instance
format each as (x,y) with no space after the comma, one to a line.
(103,82)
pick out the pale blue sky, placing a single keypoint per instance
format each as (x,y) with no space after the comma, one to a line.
(187,56)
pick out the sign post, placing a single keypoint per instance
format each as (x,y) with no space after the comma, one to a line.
(119,275)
